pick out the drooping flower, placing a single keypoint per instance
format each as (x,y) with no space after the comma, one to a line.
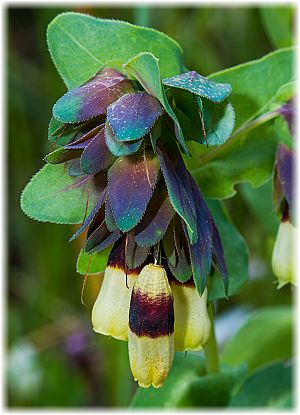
(151,327)
(111,309)
(192,324)
(118,133)
(284,252)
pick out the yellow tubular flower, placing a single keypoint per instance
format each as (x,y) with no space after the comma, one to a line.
(192,324)
(111,309)
(284,254)
(151,327)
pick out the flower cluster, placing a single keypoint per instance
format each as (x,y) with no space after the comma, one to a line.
(284,252)
(165,243)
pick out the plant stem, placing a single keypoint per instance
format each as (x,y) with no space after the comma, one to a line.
(211,349)
(241,131)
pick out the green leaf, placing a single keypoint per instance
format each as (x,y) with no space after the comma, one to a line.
(144,67)
(259,202)
(279,24)
(188,386)
(235,253)
(199,85)
(94,264)
(266,336)
(268,387)
(243,158)
(218,122)
(53,196)
(81,45)
(254,83)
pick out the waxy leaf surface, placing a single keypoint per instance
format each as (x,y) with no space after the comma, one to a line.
(54,196)
(120,148)
(235,254)
(157,217)
(91,216)
(135,254)
(79,54)
(218,120)
(254,84)
(199,85)
(96,157)
(201,250)
(245,158)
(94,264)
(92,98)
(61,155)
(100,239)
(131,183)
(144,67)
(178,185)
(133,115)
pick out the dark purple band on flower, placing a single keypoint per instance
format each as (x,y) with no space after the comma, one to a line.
(151,317)
(117,258)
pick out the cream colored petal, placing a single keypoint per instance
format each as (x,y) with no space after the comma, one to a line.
(150,358)
(192,324)
(284,254)
(111,309)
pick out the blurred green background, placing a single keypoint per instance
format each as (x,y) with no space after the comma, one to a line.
(53,357)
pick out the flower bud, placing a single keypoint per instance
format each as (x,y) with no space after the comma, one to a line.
(284,254)
(151,327)
(192,324)
(111,309)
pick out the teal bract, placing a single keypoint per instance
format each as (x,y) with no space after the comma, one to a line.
(123,132)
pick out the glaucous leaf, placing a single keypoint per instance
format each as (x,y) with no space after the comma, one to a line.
(144,67)
(92,98)
(120,148)
(135,254)
(247,157)
(54,196)
(157,217)
(271,330)
(178,185)
(268,387)
(91,216)
(254,86)
(133,115)
(101,238)
(104,43)
(97,261)
(96,156)
(218,123)
(201,250)
(130,185)
(199,85)
(61,155)
(235,254)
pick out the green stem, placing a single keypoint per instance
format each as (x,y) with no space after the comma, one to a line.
(211,349)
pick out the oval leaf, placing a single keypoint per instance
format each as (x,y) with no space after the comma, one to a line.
(54,196)
(92,98)
(96,157)
(120,148)
(133,115)
(199,85)
(131,183)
